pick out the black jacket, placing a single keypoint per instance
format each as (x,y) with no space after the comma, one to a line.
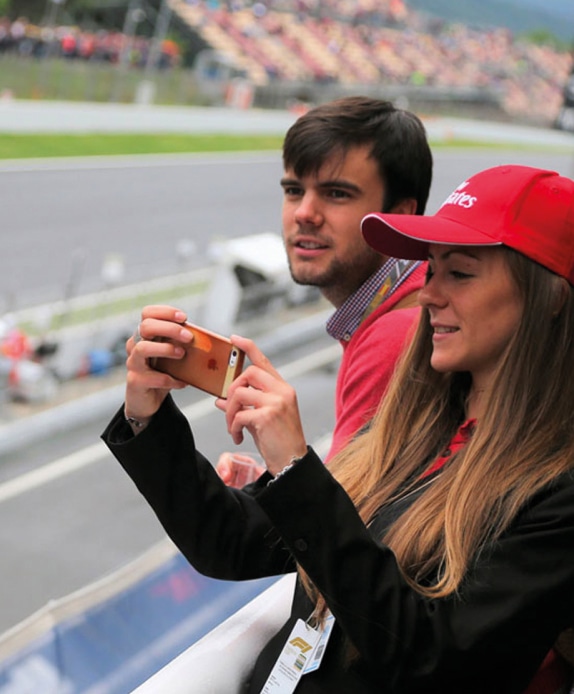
(489,638)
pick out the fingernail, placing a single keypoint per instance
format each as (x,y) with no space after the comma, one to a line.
(179,317)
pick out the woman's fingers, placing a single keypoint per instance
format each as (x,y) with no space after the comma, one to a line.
(247,389)
(267,407)
(254,354)
(160,326)
(159,322)
(262,402)
(146,350)
(163,312)
(257,387)
(159,334)
(152,329)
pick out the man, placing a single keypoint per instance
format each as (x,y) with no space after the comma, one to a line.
(341,161)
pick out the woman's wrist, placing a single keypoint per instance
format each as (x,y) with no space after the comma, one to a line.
(137,424)
(291,464)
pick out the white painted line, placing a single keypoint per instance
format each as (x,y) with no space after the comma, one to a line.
(98,451)
(52,471)
(139,161)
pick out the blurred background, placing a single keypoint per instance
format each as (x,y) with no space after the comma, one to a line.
(502,59)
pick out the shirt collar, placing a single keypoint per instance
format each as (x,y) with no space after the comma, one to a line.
(461,438)
(347,318)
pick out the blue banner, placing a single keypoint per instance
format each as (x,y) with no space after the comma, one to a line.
(115,646)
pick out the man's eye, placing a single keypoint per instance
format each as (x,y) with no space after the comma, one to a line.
(460,275)
(292,191)
(338,194)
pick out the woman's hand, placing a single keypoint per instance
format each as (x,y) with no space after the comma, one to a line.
(147,388)
(260,401)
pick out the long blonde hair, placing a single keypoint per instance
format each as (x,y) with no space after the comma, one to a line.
(523,441)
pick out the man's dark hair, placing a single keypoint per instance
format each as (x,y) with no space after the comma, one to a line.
(397,138)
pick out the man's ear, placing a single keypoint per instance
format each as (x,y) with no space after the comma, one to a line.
(406,206)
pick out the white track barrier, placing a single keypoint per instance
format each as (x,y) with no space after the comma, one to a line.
(201,670)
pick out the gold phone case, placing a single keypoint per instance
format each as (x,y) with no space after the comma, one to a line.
(211,362)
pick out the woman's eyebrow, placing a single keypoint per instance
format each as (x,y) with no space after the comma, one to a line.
(465,251)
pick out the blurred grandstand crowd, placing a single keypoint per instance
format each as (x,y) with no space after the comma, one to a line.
(354,42)
(29,40)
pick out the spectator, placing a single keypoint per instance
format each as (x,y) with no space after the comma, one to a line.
(342,160)
(436,552)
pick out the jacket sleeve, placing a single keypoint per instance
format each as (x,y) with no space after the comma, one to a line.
(490,637)
(221,531)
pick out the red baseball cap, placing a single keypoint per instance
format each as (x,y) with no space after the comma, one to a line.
(525,208)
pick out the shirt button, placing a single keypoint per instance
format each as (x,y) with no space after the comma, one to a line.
(300,545)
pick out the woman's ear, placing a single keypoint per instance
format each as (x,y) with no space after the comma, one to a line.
(561,293)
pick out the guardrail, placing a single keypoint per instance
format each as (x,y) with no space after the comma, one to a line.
(132,628)
(89,308)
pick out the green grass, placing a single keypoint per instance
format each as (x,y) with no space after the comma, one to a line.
(16,146)
(22,146)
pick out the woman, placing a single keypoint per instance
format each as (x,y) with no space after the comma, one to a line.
(436,552)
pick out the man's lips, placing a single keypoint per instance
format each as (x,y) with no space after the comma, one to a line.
(308,244)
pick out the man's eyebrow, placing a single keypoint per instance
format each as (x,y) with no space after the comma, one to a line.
(340,183)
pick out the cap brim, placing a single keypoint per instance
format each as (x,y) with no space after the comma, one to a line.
(408,236)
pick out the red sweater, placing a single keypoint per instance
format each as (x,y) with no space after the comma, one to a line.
(369,359)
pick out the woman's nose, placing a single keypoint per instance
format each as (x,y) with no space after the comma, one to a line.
(430,294)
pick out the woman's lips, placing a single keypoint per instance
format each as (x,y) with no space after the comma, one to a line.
(441,332)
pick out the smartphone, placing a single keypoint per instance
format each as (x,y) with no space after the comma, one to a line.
(210,363)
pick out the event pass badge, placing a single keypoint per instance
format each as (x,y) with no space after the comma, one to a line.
(301,654)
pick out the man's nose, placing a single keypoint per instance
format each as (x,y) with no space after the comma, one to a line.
(309,210)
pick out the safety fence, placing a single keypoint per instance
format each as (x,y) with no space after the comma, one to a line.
(110,637)
(138,626)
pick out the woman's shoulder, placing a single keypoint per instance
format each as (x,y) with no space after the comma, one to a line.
(557,495)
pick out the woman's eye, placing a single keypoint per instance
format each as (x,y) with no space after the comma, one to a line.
(459,275)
